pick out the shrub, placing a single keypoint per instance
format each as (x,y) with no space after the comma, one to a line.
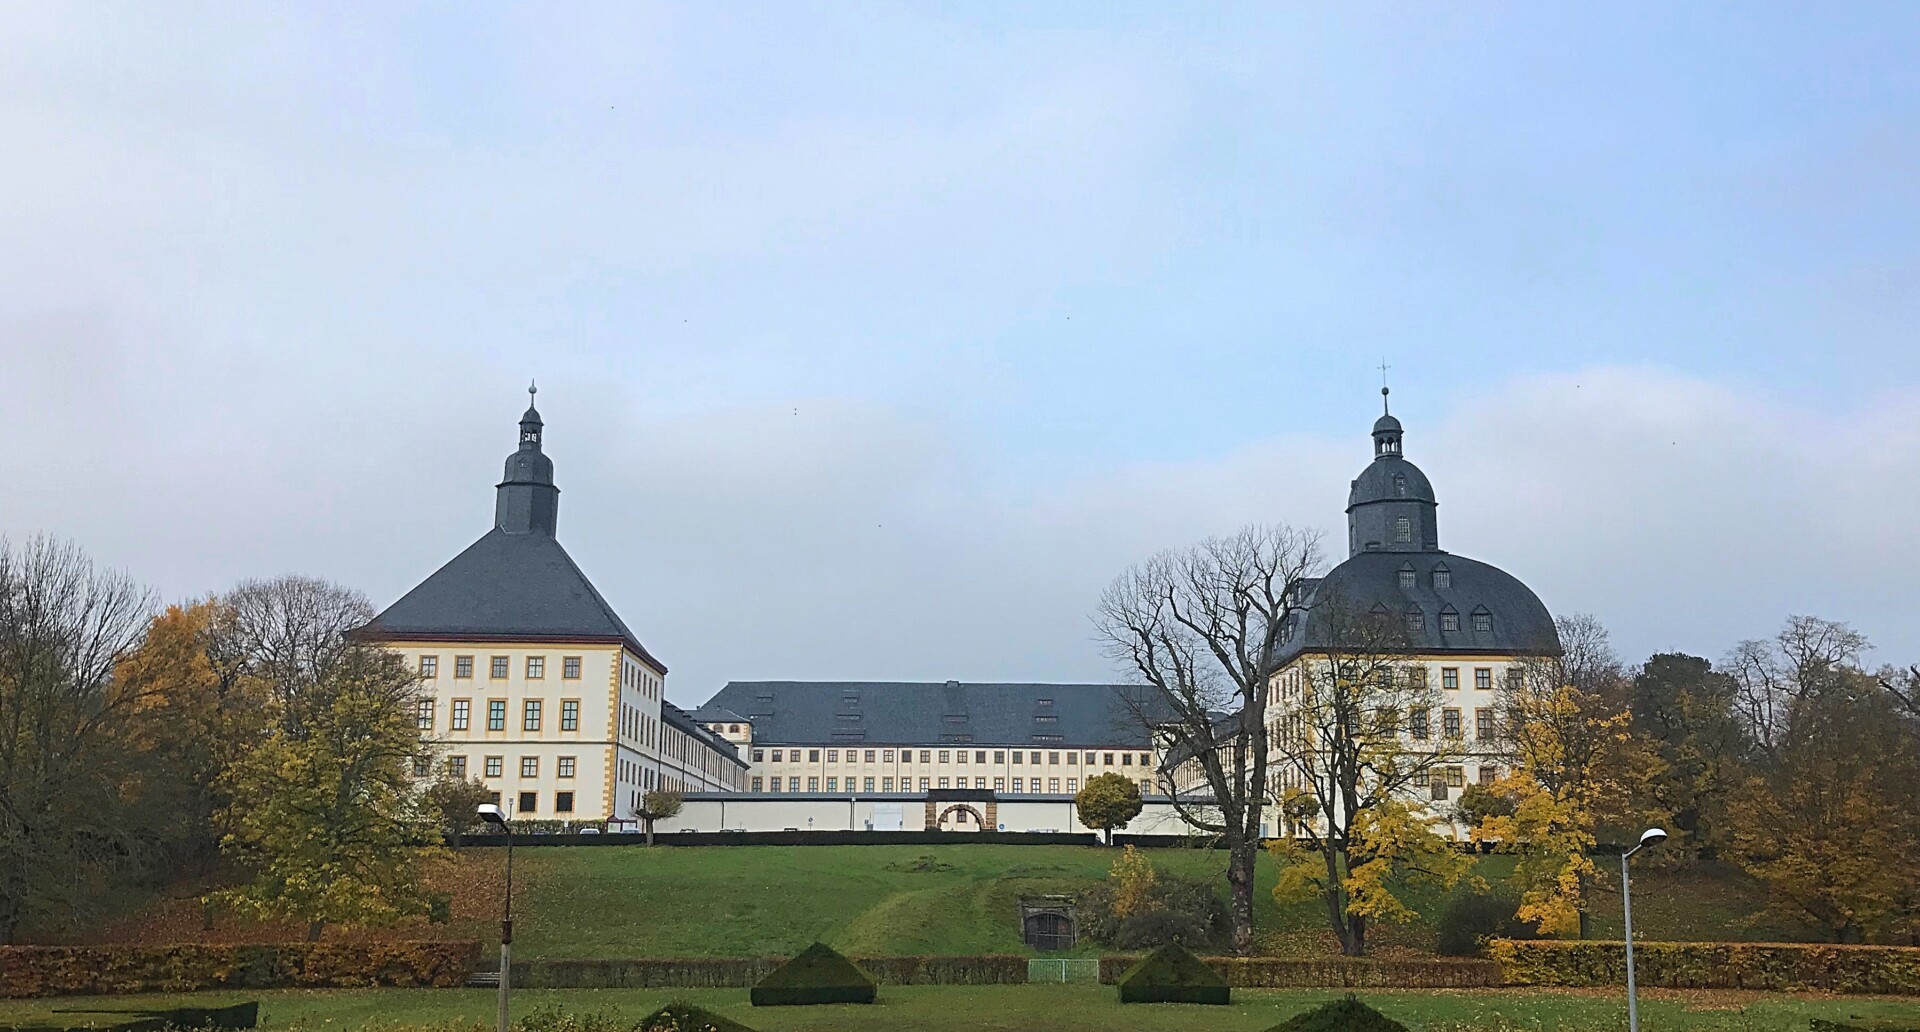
(817,975)
(1336,972)
(645,973)
(1175,911)
(1347,1015)
(1172,974)
(1470,917)
(1773,967)
(680,1016)
(98,970)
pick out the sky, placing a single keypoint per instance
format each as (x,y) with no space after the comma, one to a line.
(874,340)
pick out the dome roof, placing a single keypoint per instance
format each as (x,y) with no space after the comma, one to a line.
(1386,425)
(1389,478)
(1513,618)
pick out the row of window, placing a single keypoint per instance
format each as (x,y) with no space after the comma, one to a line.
(1450,677)
(460,714)
(952,756)
(1449,620)
(792,784)
(498,667)
(1419,725)
(1442,578)
(530,803)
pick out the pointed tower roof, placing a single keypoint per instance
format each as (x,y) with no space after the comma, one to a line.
(514,584)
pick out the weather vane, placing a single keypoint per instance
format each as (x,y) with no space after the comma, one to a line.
(1383,383)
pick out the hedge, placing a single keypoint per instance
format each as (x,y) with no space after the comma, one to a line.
(740,972)
(1172,974)
(1335,972)
(1773,967)
(818,975)
(94,970)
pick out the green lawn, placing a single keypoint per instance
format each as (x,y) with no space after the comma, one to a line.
(1029,1008)
(883,900)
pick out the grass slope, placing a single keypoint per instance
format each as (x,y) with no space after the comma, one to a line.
(1025,1008)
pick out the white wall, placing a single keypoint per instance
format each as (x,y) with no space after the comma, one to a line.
(840,814)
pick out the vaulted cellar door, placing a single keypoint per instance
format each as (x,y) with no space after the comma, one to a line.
(1049,932)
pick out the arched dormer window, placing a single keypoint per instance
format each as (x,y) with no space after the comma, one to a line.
(1400,485)
(1442,577)
(1449,619)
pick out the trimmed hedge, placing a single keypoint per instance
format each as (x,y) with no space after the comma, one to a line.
(741,972)
(1336,972)
(818,975)
(97,970)
(685,1017)
(1172,974)
(1345,1015)
(1773,967)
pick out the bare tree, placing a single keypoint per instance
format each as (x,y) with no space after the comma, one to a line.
(1357,747)
(1201,628)
(1807,657)
(64,625)
(288,632)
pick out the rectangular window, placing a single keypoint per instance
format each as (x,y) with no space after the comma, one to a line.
(496,766)
(1417,678)
(1450,722)
(867,785)
(870,756)
(833,784)
(1489,775)
(979,756)
(570,668)
(1092,759)
(529,766)
(463,666)
(1146,786)
(943,757)
(1018,784)
(833,755)
(530,715)
(1072,758)
(529,802)
(422,766)
(759,756)
(924,784)
(1449,678)
(1146,759)
(1000,757)
(886,785)
(1053,759)
(498,669)
(1073,784)
(960,756)
(1406,580)
(1483,724)
(924,756)
(1483,678)
(759,784)
(776,756)
(813,784)
(1456,777)
(423,714)
(461,709)
(429,666)
(566,764)
(886,756)
(999,784)
(1126,759)
(496,714)
(1449,620)
(1417,723)
(793,784)
(1443,580)
(1483,622)
(563,802)
(944,782)
(1053,784)
(536,666)
(457,768)
(1109,759)
(569,714)
(813,756)
(1416,621)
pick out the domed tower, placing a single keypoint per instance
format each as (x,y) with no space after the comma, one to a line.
(525,501)
(1391,507)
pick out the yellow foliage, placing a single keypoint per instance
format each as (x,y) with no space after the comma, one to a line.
(1133,880)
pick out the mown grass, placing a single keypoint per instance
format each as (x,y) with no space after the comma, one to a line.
(1027,1008)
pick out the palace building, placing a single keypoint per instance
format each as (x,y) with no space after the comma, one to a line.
(1459,625)
(531,682)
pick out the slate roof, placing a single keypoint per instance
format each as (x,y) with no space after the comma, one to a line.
(674,716)
(506,587)
(913,713)
(711,714)
(1370,582)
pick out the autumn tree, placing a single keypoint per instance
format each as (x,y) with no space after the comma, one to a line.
(455,804)
(66,830)
(1200,630)
(1356,753)
(659,805)
(325,813)
(1108,801)
(1683,709)
(287,634)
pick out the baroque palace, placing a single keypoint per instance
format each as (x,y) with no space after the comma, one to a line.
(533,684)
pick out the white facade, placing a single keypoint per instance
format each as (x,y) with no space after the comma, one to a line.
(894,813)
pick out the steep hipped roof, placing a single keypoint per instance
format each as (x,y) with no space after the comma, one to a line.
(911,713)
(674,716)
(506,587)
(1440,583)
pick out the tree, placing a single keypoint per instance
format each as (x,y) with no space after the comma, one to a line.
(455,803)
(1108,801)
(1830,824)
(1201,629)
(65,722)
(325,813)
(1352,738)
(659,805)
(1684,710)
(1809,656)
(287,633)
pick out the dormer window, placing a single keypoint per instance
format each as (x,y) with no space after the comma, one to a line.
(1442,578)
(1407,577)
(1402,529)
(1449,619)
(1416,620)
(1400,485)
(1482,620)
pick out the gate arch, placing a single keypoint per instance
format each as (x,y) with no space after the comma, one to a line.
(979,821)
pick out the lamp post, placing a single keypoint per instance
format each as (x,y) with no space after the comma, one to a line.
(490,813)
(1650,837)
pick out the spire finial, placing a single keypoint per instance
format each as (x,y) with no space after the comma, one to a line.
(1383,387)
(531,389)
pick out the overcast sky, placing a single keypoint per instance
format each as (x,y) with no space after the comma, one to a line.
(874,340)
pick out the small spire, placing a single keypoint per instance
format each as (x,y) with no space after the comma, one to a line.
(531,389)
(1384,410)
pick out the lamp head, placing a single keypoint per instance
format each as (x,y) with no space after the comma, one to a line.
(1652,837)
(490,812)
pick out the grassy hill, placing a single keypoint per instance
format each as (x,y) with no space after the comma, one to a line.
(890,900)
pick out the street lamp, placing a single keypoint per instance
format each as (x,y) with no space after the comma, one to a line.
(490,813)
(1649,838)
